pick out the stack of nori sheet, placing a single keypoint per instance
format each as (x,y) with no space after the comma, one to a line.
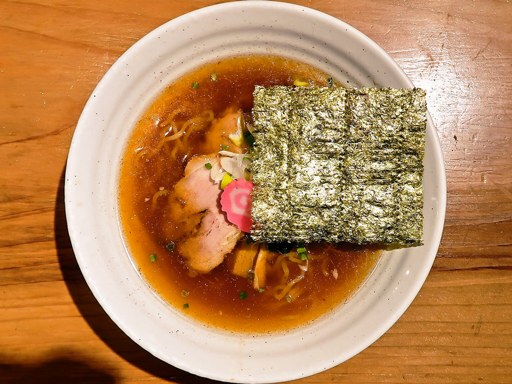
(338,165)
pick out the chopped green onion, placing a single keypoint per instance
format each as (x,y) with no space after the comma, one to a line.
(303,253)
(261,290)
(185,306)
(170,246)
(213,76)
(243,295)
(208,166)
(195,85)
(152,257)
(224,147)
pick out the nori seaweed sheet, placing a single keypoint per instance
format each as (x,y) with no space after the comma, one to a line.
(338,165)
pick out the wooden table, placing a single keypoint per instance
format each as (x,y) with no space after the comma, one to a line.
(459,328)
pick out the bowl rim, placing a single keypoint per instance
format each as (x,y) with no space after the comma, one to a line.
(74,217)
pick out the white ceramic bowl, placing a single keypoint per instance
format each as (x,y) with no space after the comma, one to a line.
(92,183)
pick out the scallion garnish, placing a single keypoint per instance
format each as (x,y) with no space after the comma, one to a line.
(213,76)
(195,85)
(208,166)
(152,257)
(303,253)
(243,295)
(186,306)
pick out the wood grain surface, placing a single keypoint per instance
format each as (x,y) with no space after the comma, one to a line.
(458,329)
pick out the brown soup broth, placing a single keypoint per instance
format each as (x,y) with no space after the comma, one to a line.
(218,298)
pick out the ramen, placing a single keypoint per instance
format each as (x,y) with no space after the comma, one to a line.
(205,267)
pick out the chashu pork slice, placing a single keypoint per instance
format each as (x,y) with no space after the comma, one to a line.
(206,236)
